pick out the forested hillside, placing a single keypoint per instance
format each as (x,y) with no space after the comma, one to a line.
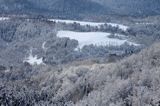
(81,8)
(132,7)
(61,8)
(133,81)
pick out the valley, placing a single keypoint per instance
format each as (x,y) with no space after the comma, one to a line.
(79,40)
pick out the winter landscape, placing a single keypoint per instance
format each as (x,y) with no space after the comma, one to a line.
(79,53)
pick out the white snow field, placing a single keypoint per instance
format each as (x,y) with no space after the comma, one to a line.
(95,38)
(94,24)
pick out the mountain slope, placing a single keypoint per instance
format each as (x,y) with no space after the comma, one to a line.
(52,7)
(14,6)
(132,7)
(81,7)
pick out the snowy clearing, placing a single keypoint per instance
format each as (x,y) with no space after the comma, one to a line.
(33,60)
(94,24)
(95,38)
(4,18)
(6,71)
(120,26)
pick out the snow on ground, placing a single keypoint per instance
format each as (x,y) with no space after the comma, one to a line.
(144,23)
(4,18)
(33,60)
(94,24)
(6,71)
(123,27)
(43,45)
(95,38)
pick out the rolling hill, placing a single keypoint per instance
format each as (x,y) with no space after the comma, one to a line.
(77,8)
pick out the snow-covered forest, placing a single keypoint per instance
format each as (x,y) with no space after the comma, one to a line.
(58,63)
(79,53)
